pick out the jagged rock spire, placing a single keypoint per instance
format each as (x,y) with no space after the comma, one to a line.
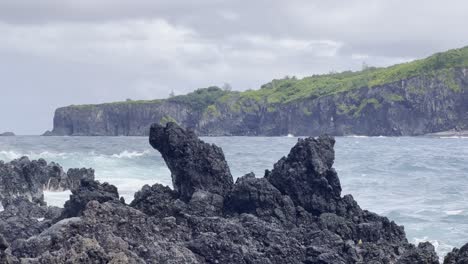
(194,164)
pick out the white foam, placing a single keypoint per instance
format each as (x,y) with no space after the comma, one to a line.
(290,135)
(56,198)
(440,248)
(454,212)
(130,154)
(357,136)
(40,219)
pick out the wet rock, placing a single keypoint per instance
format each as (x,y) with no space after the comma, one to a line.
(74,177)
(457,256)
(194,164)
(89,190)
(25,178)
(22,218)
(422,254)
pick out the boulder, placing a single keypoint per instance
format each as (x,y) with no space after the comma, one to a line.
(89,190)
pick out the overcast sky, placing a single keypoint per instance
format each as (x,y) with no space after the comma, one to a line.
(59,52)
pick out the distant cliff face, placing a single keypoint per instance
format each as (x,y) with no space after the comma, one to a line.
(417,105)
(414,106)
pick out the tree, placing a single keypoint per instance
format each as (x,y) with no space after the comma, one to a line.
(227,87)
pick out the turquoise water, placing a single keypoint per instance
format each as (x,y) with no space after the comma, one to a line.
(421,183)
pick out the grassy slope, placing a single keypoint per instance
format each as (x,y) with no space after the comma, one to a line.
(291,89)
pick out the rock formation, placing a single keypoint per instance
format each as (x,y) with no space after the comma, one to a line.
(295,214)
(7,134)
(194,164)
(25,178)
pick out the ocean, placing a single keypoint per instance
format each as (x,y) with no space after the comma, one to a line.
(419,182)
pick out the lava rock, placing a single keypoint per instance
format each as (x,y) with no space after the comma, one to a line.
(307,176)
(25,178)
(157,200)
(259,197)
(194,164)
(89,190)
(457,256)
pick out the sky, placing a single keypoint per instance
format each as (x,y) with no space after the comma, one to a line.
(56,53)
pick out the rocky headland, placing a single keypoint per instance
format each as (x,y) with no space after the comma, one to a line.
(7,134)
(415,98)
(294,214)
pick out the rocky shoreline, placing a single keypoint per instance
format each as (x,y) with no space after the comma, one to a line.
(294,214)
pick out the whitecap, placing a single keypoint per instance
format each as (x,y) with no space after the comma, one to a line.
(9,155)
(454,212)
(441,248)
(290,135)
(130,154)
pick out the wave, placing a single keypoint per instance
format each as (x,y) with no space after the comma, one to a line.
(9,155)
(454,212)
(130,154)
(57,199)
(455,137)
(441,248)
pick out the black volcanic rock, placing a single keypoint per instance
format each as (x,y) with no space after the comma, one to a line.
(307,176)
(256,220)
(194,164)
(25,178)
(457,256)
(89,190)
(157,200)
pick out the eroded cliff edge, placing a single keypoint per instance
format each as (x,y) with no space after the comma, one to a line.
(294,214)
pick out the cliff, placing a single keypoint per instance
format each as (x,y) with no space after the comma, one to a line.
(419,97)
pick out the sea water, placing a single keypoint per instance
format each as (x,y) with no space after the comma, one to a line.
(419,182)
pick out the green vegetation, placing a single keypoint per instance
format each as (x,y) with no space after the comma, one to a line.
(212,110)
(372,101)
(166,119)
(438,66)
(290,89)
(200,99)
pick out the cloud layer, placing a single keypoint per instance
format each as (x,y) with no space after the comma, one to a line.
(55,53)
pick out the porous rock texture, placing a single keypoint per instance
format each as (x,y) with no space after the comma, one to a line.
(255,220)
(25,178)
(194,164)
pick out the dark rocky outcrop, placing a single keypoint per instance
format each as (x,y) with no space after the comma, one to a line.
(255,220)
(25,178)
(194,164)
(88,190)
(7,134)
